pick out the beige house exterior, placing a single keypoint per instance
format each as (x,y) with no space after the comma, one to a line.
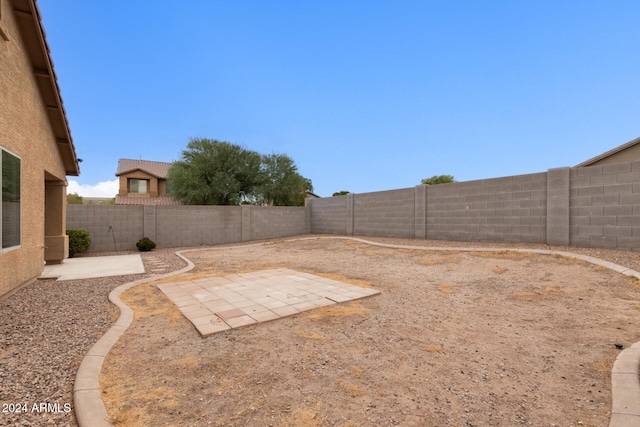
(35,146)
(143,182)
(627,152)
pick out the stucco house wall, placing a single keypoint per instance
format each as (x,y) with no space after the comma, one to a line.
(27,131)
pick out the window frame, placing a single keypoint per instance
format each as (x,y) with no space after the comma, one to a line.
(19,245)
(146,183)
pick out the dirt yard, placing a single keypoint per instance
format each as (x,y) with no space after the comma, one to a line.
(454,339)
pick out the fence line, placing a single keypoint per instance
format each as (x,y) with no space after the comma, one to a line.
(595,206)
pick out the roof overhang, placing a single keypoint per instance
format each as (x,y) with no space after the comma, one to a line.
(33,35)
(608,153)
(139,170)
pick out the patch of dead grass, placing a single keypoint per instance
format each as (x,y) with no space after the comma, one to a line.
(136,413)
(552,291)
(565,259)
(605,365)
(311,335)
(340,278)
(338,310)
(435,348)
(188,362)
(351,389)
(147,300)
(202,274)
(204,270)
(501,254)
(439,261)
(356,372)
(305,417)
(525,295)
(446,288)
(406,251)
(633,281)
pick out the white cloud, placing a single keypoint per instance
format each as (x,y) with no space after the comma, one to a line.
(101,189)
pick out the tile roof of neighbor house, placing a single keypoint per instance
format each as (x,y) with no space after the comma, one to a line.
(156,201)
(608,153)
(33,35)
(157,169)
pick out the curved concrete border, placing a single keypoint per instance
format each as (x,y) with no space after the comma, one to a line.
(87,399)
(91,412)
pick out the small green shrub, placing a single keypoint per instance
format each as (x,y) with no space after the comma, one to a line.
(145,244)
(79,241)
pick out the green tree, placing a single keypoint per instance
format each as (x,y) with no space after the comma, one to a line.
(281,184)
(214,172)
(74,199)
(438,179)
(340,193)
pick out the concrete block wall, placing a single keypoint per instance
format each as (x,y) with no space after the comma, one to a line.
(605,206)
(184,226)
(330,215)
(111,227)
(198,225)
(384,213)
(508,209)
(282,221)
(596,206)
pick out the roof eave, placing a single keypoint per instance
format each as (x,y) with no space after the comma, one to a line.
(608,153)
(141,170)
(34,36)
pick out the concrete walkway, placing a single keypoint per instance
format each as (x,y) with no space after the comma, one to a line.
(93,267)
(91,412)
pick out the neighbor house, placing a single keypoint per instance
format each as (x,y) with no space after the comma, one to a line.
(36,149)
(143,182)
(627,152)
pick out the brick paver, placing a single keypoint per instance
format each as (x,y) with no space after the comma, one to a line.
(219,303)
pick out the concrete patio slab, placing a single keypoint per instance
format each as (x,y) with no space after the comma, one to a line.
(214,305)
(92,267)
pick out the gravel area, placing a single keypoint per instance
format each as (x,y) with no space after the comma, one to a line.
(47,327)
(45,330)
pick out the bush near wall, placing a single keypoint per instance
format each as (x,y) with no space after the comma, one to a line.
(79,241)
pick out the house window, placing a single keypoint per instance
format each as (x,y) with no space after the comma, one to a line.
(10,210)
(138,186)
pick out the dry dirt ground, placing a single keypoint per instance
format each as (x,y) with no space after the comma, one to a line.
(454,339)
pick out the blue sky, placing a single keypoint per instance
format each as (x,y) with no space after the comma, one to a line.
(363,95)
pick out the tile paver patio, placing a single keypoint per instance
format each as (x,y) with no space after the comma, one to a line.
(217,303)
